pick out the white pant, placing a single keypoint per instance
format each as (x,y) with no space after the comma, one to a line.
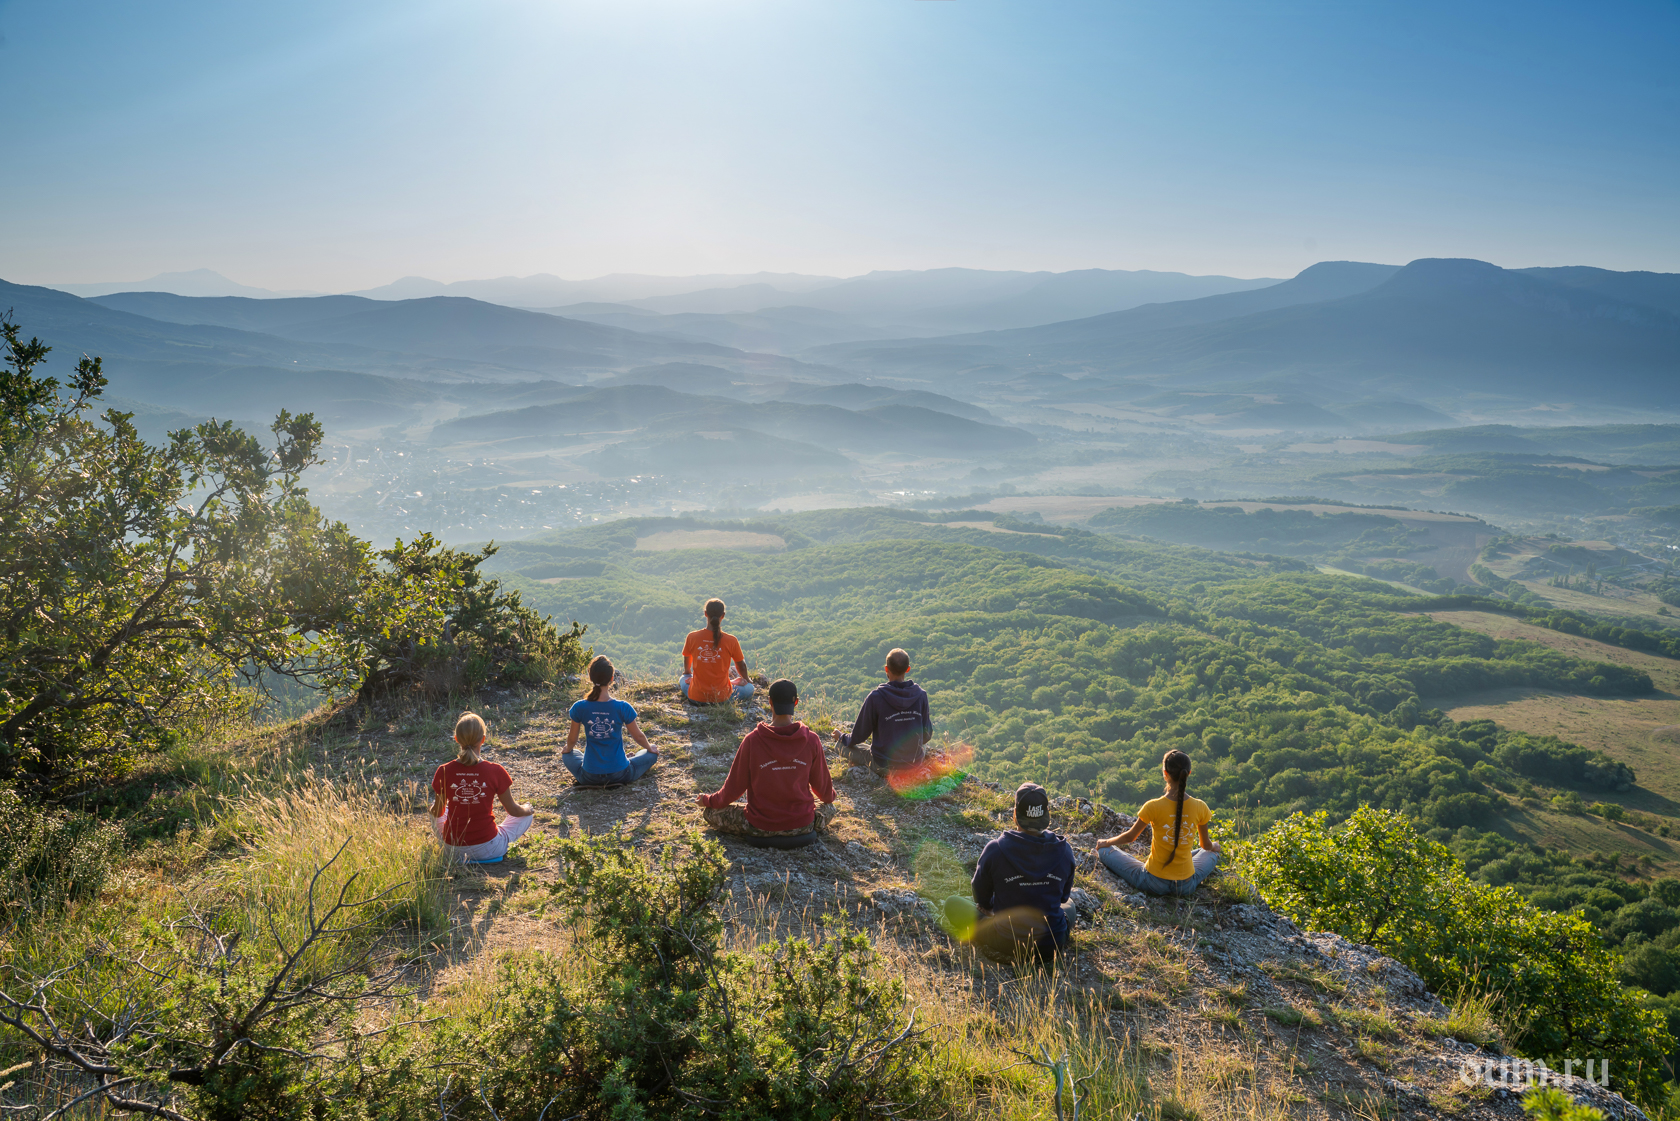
(491,851)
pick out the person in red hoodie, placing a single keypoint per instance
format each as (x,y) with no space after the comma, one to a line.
(779,766)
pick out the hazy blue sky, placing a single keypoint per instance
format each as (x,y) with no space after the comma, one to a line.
(333,145)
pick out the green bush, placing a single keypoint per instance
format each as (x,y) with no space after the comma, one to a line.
(663,1022)
(1376,880)
(48,858)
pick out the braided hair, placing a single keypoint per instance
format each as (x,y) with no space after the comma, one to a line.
(601,674)
(714,620)
(1177,766)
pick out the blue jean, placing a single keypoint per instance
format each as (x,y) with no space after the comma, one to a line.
(743,689)
(1131,869)
(639,766)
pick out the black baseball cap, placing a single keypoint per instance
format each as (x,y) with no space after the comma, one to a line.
(1032,806)
(784,694)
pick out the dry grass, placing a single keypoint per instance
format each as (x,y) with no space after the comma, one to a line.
(1134,1007)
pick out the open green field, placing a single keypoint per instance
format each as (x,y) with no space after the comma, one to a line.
(1643,731)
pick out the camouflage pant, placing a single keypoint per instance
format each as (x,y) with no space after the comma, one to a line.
(733,819)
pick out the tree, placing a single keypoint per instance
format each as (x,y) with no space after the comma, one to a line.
(1376,880)
(421,614)
(137,580)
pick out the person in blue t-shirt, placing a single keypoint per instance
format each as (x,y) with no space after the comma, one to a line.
(603,721)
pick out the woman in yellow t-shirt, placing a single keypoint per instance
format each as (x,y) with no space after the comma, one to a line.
(1173,868)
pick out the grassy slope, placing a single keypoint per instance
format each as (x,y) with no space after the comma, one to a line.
(1177,1010)
(1642,731)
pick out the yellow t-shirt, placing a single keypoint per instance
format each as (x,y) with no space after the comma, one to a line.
(1159,814)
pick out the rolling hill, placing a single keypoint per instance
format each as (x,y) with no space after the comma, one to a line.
(1435,327)
(898,429)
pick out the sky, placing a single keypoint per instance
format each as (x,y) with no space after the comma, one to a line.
(331,146)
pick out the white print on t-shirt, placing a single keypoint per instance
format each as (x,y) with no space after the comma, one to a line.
(469,790)
(602,725)
(783,767)
(708,653)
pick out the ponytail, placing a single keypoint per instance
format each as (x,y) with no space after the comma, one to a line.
(601,674)
(714,620)
(1177,766)
(469,739)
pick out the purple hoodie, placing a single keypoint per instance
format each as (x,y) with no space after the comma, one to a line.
(896,714)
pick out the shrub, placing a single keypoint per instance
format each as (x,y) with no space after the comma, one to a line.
(49,857)
(661,1021)
(1376,880)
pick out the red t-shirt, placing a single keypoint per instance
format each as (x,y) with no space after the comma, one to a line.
(469,800)
(711,665)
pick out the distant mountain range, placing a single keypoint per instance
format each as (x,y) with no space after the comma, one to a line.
(1343,345)
(197,282)
(1437,327)
(880,304)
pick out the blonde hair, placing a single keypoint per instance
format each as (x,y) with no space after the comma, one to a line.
(469,737)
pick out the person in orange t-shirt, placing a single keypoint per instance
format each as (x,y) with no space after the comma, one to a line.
(711,657)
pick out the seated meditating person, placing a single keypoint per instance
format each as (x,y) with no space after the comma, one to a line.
(603,721)
(1021,886)
(1173,867)
(464,791)
(895,716)
(711,659)
(779,766)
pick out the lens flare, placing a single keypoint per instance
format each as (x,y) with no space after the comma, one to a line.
(937,773)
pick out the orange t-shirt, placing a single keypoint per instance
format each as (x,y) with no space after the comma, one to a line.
(711,665)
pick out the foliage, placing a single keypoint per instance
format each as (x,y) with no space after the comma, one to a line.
(1374,879)
(672,1025)
(1288,532)
(49,858)
(1546,1104)
(135,579)
(422,614)
(194,1017)
(141,584)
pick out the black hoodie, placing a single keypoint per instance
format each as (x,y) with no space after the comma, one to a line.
(1022,868)
(896,714)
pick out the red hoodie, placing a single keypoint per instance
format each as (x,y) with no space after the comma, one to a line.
(778,768)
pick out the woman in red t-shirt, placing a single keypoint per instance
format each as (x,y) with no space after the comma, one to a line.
(711,659)
(464,791)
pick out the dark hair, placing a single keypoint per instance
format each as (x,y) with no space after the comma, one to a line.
(714,619)
(898,661)
(1177,766)
(601,675)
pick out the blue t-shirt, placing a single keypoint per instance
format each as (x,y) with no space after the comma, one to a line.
(603,726)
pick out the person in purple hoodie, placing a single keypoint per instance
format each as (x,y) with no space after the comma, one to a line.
(1021,885)
(895,715)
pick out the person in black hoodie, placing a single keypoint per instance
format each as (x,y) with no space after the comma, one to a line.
(1021,885)
(895,715)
